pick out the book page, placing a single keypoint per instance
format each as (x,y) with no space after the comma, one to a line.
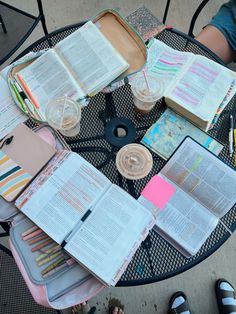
(10,114)
(58,204)
(91,57)
(47,78)
(202,87)
(165,63)
(203,176)
(111,234)
(186,223)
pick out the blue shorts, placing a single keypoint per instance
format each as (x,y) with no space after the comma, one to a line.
(225,21)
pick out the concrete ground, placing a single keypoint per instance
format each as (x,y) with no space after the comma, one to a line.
(198,282)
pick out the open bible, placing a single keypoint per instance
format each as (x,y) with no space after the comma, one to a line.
(96,222)
(190,195)
(81,64)
(194,86)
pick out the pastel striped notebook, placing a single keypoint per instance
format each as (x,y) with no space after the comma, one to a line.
(22,155)
(12,177)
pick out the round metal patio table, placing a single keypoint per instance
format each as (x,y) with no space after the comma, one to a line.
(156,259)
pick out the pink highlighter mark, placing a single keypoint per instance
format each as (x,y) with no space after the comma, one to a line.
(158,191)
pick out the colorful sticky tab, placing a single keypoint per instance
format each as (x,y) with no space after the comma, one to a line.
(158,191)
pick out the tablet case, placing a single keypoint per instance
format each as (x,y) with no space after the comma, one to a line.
(22,155)
(124,38)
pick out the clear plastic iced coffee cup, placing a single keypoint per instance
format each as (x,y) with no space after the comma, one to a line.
(146,92)
(64,114)
(134,161)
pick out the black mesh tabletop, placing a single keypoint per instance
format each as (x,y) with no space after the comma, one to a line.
(155,259)
(15,298)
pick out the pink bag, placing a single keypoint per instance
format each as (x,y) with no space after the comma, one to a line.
(65,288)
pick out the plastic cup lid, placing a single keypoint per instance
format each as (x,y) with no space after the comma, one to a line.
(62,111)
(141,90)
(134,161)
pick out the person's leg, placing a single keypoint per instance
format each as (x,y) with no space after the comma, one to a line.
(178,304)
(220,35)
(226,297)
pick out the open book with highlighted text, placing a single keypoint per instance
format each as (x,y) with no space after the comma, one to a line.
(97,222)
(190,195)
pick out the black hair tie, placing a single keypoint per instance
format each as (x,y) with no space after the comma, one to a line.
(7,141)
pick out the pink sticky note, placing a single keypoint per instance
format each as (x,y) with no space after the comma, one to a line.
(158,191)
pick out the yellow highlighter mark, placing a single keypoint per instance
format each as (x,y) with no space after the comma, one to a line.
(196,163)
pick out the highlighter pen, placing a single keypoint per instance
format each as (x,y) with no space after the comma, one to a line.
(42,245)
(24,97)
(54,264)
(20,90)
(30,230)
(48,252)
(54,270)
(26,88)
(38,239)
(32,234)
(50,258)
(18,96)
(231,139)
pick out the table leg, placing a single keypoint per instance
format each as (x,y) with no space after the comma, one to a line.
(3,25)
(166,11)
(5,227)
(110,111)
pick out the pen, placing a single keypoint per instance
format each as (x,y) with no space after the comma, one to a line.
(20,90)
(234,147)
(54,270)
(48,252)
(25,233)
(58,262)
(42,245)
(50,258)
(26,88)
(38,239)
(32,234)
(60,265)
(24,97)
(21,101)
(231,140)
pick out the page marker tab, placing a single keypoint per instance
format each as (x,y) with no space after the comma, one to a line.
(63,243)
(158,191)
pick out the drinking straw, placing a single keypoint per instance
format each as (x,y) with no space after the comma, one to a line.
(146,80)
(63,111)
